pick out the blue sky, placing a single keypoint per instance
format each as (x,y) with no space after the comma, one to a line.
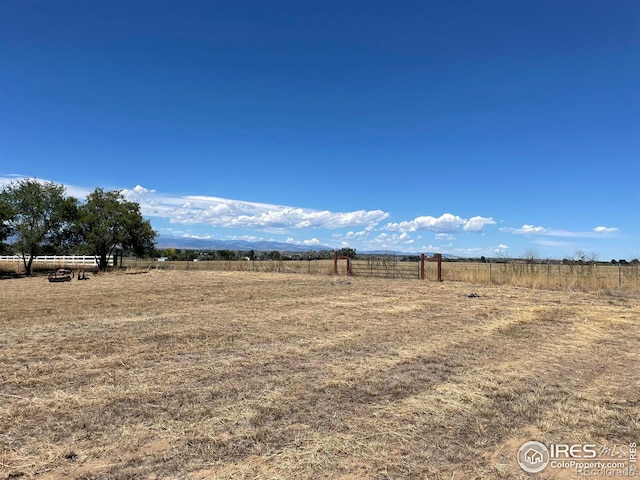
(464,127)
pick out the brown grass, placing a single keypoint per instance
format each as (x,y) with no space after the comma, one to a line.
(263,375)
(586,278)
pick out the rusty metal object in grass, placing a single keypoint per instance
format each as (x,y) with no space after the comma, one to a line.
(61,275)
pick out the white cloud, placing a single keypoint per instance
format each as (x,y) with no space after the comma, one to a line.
(525,230)
(445,223)
(444,236)
(354,235)
(476,224)
(550,232)
(605,229)
(70,190)
(247,238)
(313,241)
(392,241)
(136,194)
(223,212)
(198,237)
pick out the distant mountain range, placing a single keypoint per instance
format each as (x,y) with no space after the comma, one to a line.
(258,246)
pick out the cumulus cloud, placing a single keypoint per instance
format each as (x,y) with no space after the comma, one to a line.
(476,224)
(354,235)
(223,212)
(446,223)
(605,229)
(137,193)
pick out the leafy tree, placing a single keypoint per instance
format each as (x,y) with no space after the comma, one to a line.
(6,217)
(39,215)
(108,221)
(170,253)
(275,255)
(347,252)
(226,254)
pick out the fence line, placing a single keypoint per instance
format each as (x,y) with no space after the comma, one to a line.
(547,275)
(588,277)
(55,259)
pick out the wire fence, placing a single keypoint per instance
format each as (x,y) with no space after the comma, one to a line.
(535,275)
(586,276)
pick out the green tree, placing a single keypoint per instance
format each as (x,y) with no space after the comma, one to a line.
(347,252)
(6,217)
(108,220)
(225,254)
(275,255)
(39,215)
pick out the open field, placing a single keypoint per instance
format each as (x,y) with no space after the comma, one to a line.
(208,374)
(588,278)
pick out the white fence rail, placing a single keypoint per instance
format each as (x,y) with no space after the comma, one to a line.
(56,259)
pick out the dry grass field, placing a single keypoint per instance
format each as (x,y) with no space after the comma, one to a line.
(221,375)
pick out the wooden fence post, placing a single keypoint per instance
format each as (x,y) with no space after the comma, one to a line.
(619,275)
(490,272)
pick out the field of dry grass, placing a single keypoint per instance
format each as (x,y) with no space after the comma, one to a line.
(220,375)
(588,278)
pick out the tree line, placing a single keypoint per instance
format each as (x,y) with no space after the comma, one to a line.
(37,218)
(185,254)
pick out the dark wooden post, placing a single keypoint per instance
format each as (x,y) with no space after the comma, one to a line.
(335,262)
(422,266)
(439,258)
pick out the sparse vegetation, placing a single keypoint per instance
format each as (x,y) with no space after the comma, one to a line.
(204,374)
